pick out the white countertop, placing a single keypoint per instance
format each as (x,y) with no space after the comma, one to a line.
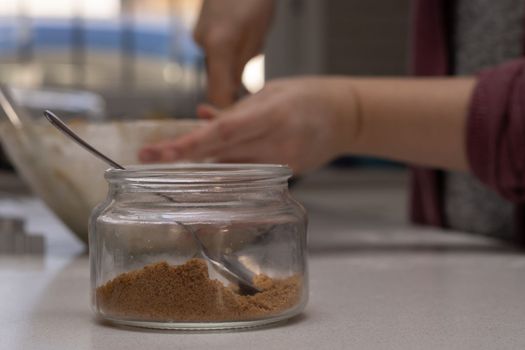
(376,283)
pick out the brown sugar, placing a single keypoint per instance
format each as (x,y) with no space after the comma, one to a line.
(163,292)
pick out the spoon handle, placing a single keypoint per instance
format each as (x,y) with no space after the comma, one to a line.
(230,269)
(60,125)
(11,110)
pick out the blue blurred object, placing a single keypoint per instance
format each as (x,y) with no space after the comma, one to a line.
(141,66)
(148,39)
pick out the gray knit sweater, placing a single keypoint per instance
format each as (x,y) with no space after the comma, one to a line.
(487,32)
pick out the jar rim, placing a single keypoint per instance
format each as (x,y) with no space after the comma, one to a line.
(184,173)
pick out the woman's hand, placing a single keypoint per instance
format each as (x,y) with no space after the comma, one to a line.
(307,122)
(231,32)
(300,122)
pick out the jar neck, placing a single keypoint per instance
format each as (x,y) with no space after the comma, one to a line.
(219,188)
(201,179)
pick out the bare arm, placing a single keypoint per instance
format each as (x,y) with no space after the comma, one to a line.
(308,121)
(419,121)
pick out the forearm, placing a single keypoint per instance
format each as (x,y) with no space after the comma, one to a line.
(418,121)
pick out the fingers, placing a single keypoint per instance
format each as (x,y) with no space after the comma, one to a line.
(225,133)
(156,154)
(231,33)
(257,150)
(207,112)
(219,41)
(221,79)
(167,150)
(248,119)
(233,129)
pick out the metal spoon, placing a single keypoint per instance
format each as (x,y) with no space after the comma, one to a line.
(228,267)
(13,113)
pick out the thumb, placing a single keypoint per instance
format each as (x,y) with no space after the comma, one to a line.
(207,111)
(221,80)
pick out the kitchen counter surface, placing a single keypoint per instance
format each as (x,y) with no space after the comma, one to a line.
(376,283)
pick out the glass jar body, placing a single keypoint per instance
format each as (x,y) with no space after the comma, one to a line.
(152,249)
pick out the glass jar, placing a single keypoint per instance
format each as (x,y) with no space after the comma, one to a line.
(168,245)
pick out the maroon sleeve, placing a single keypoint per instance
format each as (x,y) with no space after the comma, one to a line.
(496,129)
(429,58)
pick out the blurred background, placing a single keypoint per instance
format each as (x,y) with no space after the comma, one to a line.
(135,61)
(376,278)
(116,59)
